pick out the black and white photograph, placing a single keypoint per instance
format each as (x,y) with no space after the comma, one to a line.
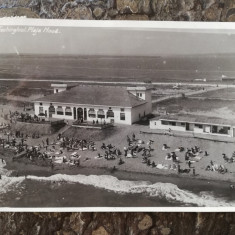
(131,114)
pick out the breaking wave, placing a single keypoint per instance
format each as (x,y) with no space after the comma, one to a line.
(8,183)
(167,191)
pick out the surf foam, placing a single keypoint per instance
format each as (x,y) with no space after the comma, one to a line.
(9,183)
(167,191)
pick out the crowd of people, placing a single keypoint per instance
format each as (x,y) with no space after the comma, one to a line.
(51,150)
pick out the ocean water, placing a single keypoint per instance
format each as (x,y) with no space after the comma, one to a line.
(61,190)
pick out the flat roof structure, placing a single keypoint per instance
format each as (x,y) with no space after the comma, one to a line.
(196,119)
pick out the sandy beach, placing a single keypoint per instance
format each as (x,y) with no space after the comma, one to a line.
(165,190)
(88,160)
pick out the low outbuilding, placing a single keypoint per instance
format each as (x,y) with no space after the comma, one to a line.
(194,124)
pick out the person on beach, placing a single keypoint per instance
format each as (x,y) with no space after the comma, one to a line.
(125,151)
(186,156)
(178,169)
(121,162)
(189,164)
(113,169)
(47,140)
(133,137)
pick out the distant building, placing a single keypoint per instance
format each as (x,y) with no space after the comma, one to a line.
(93,102)
(195,124)
(200,80)
(228,79)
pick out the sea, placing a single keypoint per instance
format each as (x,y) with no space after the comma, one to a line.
(178,68)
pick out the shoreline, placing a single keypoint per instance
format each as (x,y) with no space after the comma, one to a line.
(162,190)
(22,169)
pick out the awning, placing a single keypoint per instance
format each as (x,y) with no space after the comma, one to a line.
(110,113)
(59,109)
(68,109)
(91,111)
(100,112)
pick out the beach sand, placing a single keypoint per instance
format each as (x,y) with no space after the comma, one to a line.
(87,160)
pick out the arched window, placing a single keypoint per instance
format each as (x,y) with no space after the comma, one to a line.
(92,113)
(68,111)
(100,113)
(60,110)
(110,113)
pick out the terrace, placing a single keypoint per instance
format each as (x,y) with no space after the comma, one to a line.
(92,125)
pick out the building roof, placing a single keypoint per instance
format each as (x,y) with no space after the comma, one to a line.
(95,95)
(196,119)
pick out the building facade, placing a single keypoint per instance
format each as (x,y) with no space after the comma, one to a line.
(194,124)
(96,103)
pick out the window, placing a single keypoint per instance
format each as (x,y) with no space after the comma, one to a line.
(164,122)
(220,130)
(214,129)
(51,109)
(100,113)
(68,111)
(168,123)
(60,110)
(122,116)
(172,123)
(91,113)
(110,113)
(122,110)
(199,126)
(41,104)
(224,130)
(57,90)
(182,123)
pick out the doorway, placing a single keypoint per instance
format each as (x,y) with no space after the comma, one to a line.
(79,113)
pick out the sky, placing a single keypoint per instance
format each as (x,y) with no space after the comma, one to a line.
(116,42)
